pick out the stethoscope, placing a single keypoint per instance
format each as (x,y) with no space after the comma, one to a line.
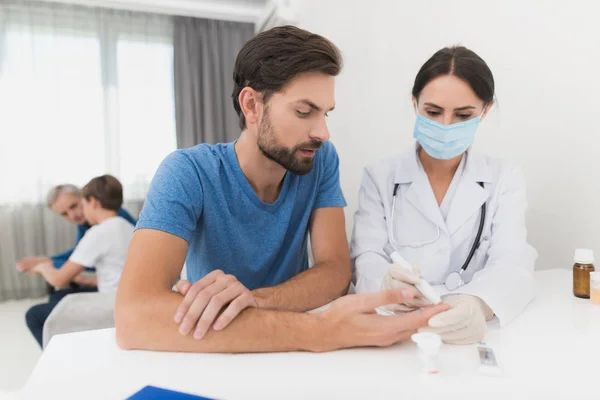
(454,280)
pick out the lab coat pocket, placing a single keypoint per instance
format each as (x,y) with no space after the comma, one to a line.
(417,239)
(412,229)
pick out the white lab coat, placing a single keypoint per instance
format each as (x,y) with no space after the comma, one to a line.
(501,270)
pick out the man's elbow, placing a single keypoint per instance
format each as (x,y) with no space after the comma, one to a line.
(345,279)
(126,316)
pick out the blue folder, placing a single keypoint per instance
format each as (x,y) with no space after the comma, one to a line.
(155,393)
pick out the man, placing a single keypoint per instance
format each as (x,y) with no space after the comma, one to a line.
(241,213)
(66,201)
(104,244)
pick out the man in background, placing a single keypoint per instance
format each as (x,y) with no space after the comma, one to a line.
(66,201)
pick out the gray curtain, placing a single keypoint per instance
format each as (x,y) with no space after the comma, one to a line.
(33,230)
(204,53)
(28,230)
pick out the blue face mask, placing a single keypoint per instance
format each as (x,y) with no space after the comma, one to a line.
(445,141)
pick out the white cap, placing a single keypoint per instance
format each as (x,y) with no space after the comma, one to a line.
(584,256)
(427,340)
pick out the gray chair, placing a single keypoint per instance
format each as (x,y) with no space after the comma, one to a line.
(80,312)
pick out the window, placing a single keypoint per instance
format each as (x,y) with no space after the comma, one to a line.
(83,92)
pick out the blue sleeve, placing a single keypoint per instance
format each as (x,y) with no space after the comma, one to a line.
(81,230)
(329,192)
(175,198)
(59,259)
(123,213)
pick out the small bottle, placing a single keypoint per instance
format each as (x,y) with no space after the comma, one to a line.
(595,287)
(584,264)
(429,344)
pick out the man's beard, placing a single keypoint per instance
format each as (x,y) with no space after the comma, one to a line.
(268,146)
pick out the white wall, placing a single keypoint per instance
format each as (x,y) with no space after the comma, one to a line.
(228,10)
(545,56)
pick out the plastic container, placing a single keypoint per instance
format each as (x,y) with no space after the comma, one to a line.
(429,350)
(595,287)
(584,265)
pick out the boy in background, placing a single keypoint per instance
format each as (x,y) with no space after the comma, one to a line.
(104,245)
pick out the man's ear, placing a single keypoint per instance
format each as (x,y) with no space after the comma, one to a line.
(250,101)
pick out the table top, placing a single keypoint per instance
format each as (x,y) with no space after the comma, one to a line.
(551,351)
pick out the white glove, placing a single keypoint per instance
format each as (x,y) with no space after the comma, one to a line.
(399,277)
(464,323)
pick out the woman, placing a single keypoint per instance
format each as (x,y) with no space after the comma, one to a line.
(448,209)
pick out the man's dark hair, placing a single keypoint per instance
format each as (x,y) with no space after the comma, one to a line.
(274,57)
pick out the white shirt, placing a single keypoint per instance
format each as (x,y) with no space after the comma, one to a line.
(104,246)
(447,200)
(449,196)
(501,270)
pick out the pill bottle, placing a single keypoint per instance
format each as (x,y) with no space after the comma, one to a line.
(584,264)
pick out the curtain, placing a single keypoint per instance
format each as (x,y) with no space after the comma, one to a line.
(83,92)
(204,56)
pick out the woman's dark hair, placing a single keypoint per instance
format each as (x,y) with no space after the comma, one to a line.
(274,57)
(462,63)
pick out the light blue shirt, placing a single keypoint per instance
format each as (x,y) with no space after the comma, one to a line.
(201,195)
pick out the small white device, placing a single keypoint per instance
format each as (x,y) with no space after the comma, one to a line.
(488,363)
(423,286)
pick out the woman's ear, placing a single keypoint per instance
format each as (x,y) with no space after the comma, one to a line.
(486,110)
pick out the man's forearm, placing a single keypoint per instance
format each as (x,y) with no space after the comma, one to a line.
(312,288)
(147,324)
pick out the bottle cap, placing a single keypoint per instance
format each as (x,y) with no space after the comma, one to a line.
(584,256)
(427,341)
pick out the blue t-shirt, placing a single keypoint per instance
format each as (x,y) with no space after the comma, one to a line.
(201,195)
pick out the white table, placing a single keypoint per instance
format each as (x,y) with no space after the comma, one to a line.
(548,352)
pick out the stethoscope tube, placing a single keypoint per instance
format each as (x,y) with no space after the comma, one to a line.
(477,242)
(474,248)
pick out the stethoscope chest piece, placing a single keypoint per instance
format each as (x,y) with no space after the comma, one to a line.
(454,280)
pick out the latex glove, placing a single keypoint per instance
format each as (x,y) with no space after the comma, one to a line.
(464,323)
(399,277)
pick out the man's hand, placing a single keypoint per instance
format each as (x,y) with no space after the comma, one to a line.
(205,299)
(27,263)
(352,320)
(40,267)
(86,281)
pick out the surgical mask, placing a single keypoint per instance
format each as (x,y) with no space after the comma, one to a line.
(445,141)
